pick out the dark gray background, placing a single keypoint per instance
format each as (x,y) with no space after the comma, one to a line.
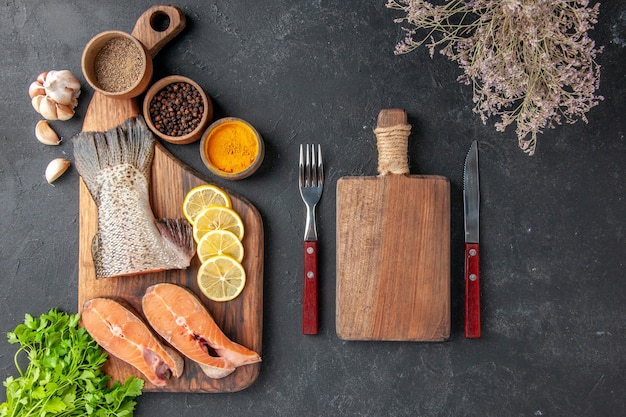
(552,231)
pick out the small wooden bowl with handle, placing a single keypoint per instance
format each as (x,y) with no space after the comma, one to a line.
(147,39)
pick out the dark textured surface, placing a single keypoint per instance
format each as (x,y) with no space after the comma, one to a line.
(552,231)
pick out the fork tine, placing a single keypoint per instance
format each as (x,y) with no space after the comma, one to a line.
(313,168)
(320,166)
(307,165)
(301,167)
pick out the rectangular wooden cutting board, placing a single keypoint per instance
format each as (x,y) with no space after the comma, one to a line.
(240,319)
(393,257)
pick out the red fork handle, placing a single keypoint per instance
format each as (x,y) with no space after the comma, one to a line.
(309,298)
(472,291)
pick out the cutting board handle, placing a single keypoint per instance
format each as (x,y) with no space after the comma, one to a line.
(148,28)
(392,138)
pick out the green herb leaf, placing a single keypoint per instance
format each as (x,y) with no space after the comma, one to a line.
(54,405)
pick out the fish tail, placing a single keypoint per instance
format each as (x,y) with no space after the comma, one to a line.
(129,143)
(179,233)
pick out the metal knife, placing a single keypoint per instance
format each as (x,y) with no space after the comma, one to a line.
(471,205)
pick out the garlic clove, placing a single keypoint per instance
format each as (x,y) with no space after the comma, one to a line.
(63,87)
(46,107)
(45,134)
(41,78)
(56,168)
(36,102)
(36,89)
(64,112)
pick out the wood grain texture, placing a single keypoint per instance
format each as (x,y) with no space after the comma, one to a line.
(151,36)
(240,319)
(393,258)
(393,254)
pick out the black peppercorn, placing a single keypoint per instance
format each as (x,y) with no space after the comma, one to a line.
(177,109)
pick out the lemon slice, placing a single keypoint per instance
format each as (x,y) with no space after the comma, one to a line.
(219,242)
(202,196)
(221,278)
(217,218)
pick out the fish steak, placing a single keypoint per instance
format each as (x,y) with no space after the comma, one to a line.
(125,336)
(183,321)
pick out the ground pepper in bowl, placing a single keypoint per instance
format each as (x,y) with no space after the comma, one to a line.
(177,109)
(119,65)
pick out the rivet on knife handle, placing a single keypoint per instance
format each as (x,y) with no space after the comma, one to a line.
(472,291)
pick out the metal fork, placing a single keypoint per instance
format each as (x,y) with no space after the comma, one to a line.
(311,181)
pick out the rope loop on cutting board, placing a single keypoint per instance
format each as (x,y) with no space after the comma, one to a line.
(392,143)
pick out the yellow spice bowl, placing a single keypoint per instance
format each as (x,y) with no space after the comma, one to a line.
(231,148)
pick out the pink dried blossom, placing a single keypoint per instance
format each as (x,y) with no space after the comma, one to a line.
(530,62)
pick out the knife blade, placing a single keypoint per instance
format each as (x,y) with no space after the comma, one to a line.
(471,206)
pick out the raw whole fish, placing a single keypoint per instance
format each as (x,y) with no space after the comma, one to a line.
(127,337)
(115,166)
(183,321)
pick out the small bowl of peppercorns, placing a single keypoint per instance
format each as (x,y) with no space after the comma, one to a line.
(177,110)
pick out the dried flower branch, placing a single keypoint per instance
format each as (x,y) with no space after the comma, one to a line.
(530,62)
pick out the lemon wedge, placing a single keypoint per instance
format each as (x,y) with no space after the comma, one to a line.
(221,278)
(217,218)
(202,196)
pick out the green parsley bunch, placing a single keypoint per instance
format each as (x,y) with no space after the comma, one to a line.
(64,376)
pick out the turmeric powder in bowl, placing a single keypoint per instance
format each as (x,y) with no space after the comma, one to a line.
(231,148)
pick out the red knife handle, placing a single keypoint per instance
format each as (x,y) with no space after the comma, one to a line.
(472,291)
(309,299)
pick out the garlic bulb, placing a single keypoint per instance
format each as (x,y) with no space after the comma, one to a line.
(56,168)
(45,134)
(55,94)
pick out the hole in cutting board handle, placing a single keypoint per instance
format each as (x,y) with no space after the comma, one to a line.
(160,21)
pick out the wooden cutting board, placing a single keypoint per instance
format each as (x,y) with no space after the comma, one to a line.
(393,247)
(240,319)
